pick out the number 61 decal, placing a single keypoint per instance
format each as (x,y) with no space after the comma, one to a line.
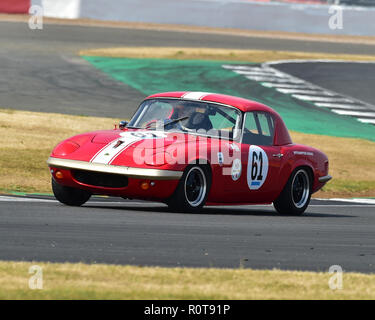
(257,167)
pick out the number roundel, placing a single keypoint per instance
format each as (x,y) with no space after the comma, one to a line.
(257,168)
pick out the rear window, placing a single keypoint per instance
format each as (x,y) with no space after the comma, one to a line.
(258,129)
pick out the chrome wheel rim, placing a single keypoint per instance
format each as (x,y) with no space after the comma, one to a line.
(195,186)
(300,188)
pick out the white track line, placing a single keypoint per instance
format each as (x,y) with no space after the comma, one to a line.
(274,79)
(355,200)
(354,113)
(255,72)
(322,99)
(234,67)
(270,63)
(22,199)
(302,91)
(364,202)
(118,202)
(93,202)
(286,86)
(340,106)
(371,121)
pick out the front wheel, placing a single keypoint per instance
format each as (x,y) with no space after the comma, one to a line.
(296,194)
(70,196)
(192,190)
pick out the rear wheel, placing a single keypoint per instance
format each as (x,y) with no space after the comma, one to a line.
(296,194)
(70,196)
(192,190)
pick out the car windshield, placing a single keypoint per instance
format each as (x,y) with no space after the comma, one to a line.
(187,116)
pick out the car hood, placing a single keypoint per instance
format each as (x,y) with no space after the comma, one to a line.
(119,147)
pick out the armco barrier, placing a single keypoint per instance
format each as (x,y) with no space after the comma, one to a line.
(14,6)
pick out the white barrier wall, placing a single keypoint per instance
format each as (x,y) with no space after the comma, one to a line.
(64,9)
(67,9)
(241,14)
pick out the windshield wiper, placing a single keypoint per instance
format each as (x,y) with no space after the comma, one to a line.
(174,121)
(164,125)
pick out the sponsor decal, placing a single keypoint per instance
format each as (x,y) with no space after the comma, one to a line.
(257,168)
(303,153)
(220,158)
(236,169)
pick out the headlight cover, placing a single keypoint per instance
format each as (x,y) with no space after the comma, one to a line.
(158,159)
(64,148)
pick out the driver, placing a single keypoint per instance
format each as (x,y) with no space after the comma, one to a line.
(180,111)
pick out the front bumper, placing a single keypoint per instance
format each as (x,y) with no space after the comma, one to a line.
(138,173)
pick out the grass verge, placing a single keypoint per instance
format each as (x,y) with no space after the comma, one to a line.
(24,151)
(255,56)
(82,281)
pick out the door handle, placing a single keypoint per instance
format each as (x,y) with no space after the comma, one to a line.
(278,155)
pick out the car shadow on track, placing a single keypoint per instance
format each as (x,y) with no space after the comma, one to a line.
(219,211)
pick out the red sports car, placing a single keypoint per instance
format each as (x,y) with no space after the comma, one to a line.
(190,149)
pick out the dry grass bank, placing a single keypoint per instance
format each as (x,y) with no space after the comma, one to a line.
(24,151)
(218,54)
(82,281)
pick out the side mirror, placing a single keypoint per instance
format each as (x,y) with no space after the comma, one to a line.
(123,124)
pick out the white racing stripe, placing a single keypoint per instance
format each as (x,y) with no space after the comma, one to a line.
(110,152)
(107,154)
(195,95)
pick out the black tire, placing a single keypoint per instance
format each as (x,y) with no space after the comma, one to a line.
(192,191)
(70,196)
(296,194)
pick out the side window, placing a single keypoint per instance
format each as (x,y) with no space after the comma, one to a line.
(258,129)
(250,123)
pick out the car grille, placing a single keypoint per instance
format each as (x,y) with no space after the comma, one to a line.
(99,179)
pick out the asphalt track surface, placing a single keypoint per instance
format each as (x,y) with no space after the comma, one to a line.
(41,70)
(356,80)
(140,233)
